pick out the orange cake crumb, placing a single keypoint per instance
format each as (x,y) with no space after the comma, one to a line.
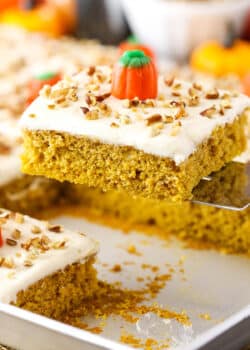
(133,250)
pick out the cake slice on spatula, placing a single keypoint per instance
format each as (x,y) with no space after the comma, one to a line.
(127,129)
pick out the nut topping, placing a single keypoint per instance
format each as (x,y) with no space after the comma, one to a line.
(91,70)
(154,119)
(16,234)
(11,242)
(84,110)
(213,94)
(4,148)
(169,82)
(55,228)
(19,218)
(102,97)
(36,229)
(209,112)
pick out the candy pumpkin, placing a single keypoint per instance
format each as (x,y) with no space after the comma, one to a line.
(217,60)
(38,82)
(132,44)
(134,76)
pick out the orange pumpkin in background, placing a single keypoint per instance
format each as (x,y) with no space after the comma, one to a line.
(6,4)
(133,44)
(134,76)
(217,60)
(53,17)
(36,84)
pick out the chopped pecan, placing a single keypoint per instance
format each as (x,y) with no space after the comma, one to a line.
(91,70)
(169,81)
(209,112)
(102,97)
(156,118)
(84,110)
(11,242)
(213,94)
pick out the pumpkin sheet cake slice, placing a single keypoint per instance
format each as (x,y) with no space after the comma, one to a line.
(44,268)
(128,129)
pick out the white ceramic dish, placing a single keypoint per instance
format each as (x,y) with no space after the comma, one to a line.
(214,284)
(173,28)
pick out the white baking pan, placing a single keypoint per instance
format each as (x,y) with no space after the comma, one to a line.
(214,284)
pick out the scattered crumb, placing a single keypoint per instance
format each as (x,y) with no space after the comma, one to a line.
(105,264)
(153,268)
(129,263)
(133,250)
(145,242)
(114,300)
(80,324)
(140,279)
(171,270)
(205,316)
(146,344)
(116,268)
(182,260)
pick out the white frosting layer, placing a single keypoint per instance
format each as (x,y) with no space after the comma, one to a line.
(77,248)
(178,146)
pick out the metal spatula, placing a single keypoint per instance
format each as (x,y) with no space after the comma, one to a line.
(229,188)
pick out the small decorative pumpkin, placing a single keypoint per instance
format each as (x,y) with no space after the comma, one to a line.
(134,76)
(133,44)
(6,4)
(44,18)
(39,81)
(1,238)
(217,60)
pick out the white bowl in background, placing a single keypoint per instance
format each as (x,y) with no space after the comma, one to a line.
(173,28)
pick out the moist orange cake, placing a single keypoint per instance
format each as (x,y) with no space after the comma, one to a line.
(156,147)
(44,268)
(20,192)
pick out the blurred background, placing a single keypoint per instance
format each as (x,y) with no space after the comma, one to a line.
(207,36)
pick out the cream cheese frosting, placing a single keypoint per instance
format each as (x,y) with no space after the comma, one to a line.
(34,249)
(173,125)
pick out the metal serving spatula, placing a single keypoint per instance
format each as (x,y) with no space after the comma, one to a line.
(228,188)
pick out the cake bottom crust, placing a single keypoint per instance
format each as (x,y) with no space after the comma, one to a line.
(79,160)
(199,225)
(57,294)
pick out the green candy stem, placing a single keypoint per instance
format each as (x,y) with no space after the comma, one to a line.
(132,39)
(45,76)
(134,59)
